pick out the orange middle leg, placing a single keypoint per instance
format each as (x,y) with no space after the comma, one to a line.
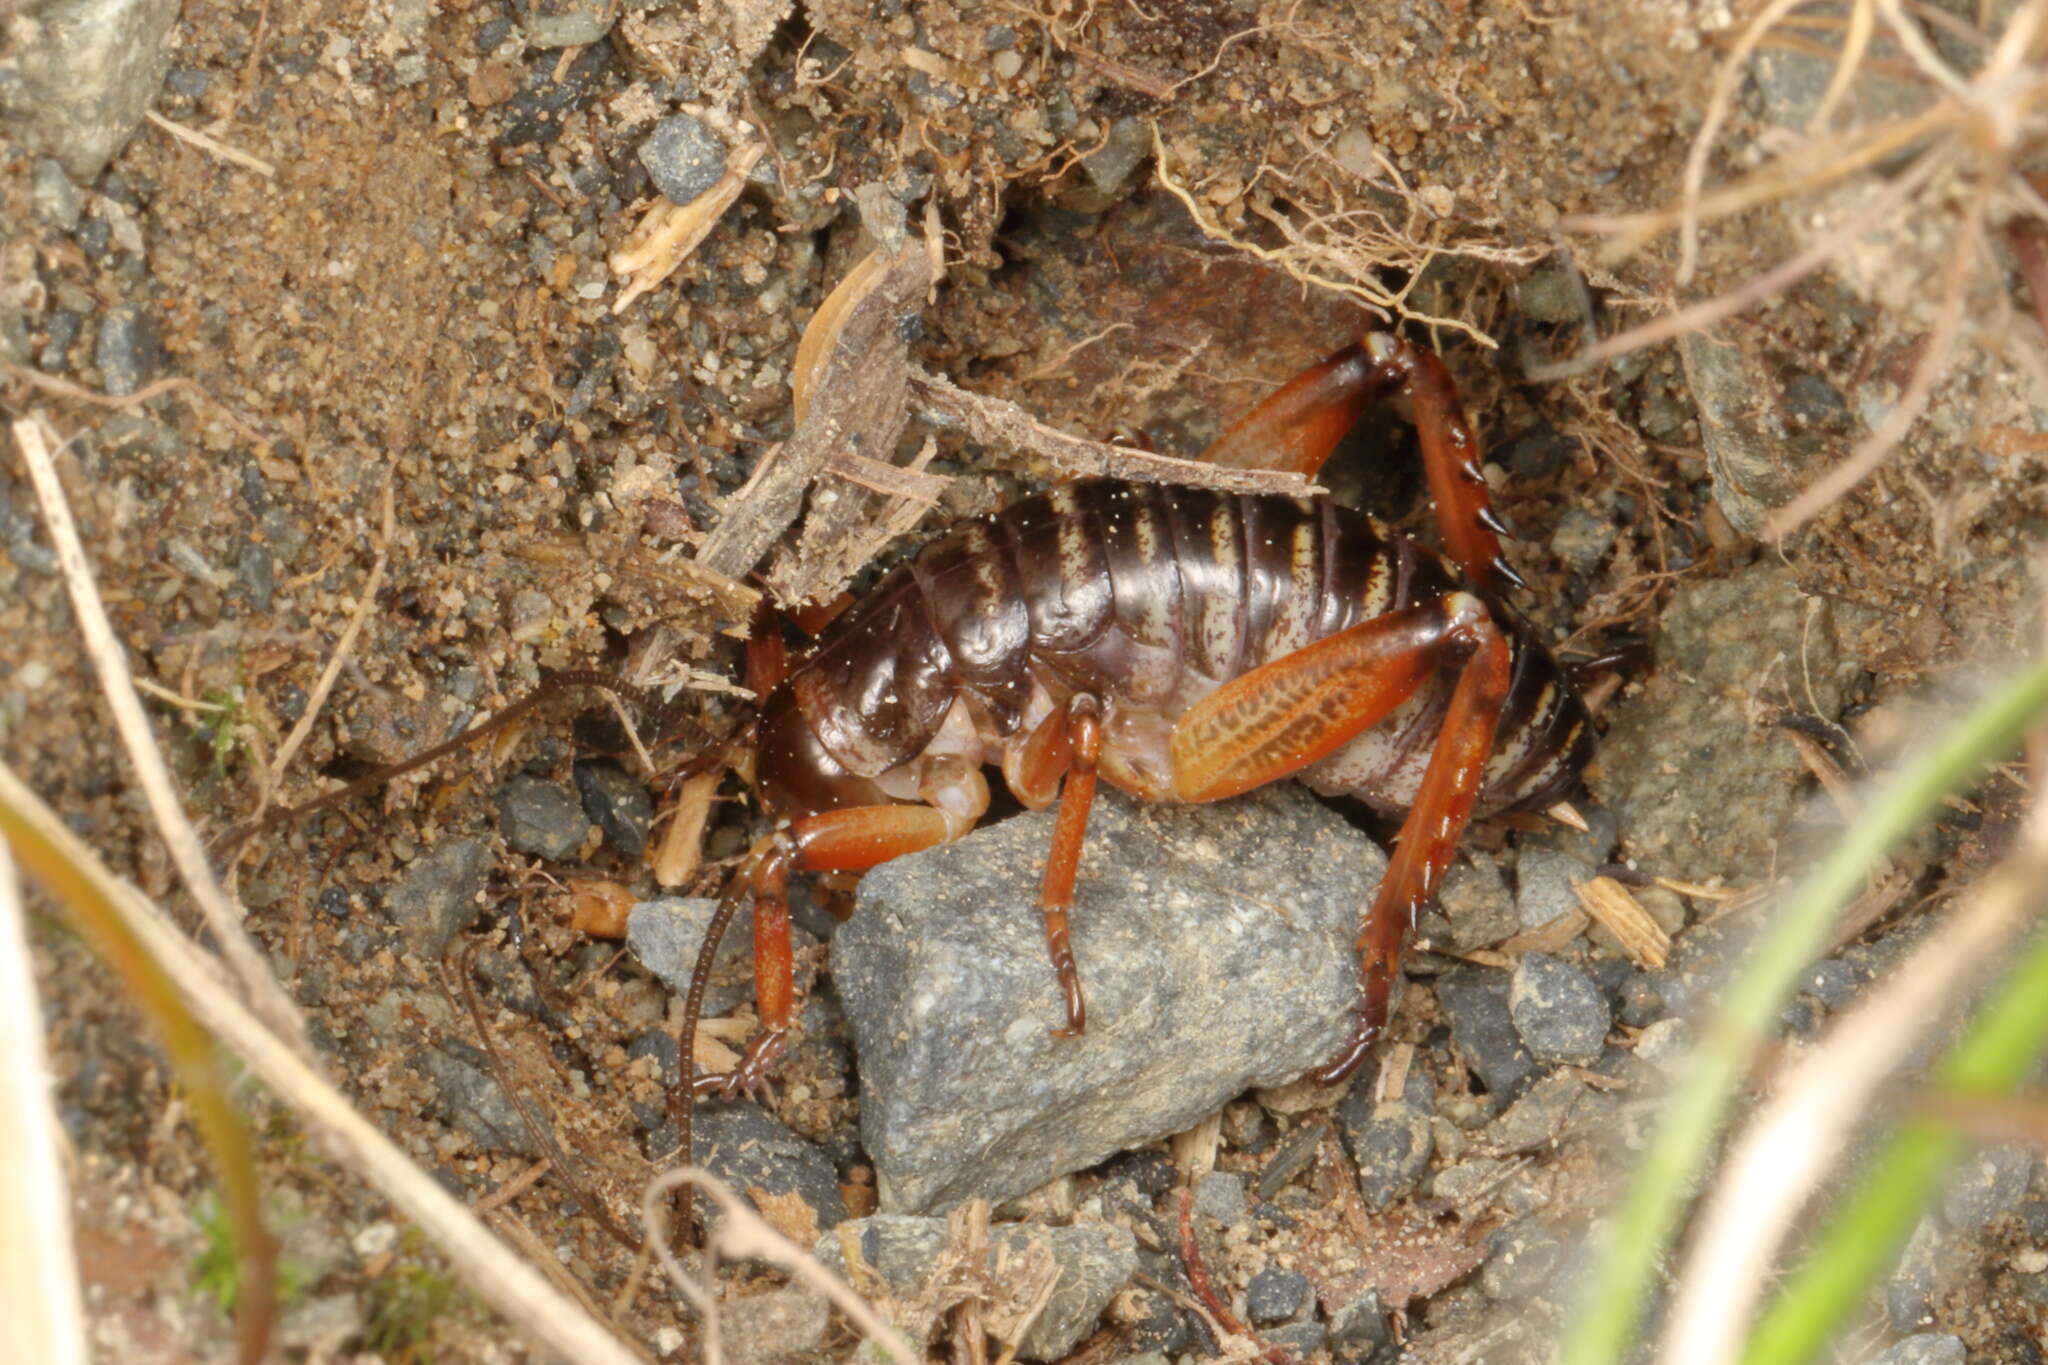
(1299,425)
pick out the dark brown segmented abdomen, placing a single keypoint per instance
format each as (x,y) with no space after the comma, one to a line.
(1148,595)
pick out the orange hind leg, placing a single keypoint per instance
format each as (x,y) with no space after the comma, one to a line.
(1300,423)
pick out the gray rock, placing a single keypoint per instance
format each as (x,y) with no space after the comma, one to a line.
(1220,1195)
(1540,1117)
(1581,539)
(1215,947)
(52,197)
(785,1324)
(1988,1185)
(758,1156)
(617,802)
(1910,1289)
(1834,982)
(684,157)
(439,895)
(1392,1144)
(540,817)
(569,23)
(470,1098)
(81,76)
(666,933)
(1093,1261)
(1924,1348)
(1552,294)
(1476,901)
(126,349)
(1558,1011)
(1706,791)
(1477,1002)
(1275,1294)
(1546,883)
(1358,1327)
(1110,165)
(1524,1266)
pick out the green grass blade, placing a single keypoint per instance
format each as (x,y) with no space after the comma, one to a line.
(1694,1115)
(1995,1054)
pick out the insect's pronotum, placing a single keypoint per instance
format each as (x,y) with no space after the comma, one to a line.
(1183,645)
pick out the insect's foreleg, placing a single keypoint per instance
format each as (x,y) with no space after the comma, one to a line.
(848,840)
(1430,834)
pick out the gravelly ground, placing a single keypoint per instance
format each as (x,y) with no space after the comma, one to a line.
(419,300)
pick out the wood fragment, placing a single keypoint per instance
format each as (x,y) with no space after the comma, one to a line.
(1640,936)
(851,369)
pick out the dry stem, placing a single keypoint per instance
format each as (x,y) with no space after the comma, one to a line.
(110,662)
(499,1277)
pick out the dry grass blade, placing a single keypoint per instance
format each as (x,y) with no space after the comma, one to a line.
(1795,1140)
(1623,916)
(111,664)
(195,1065)
(38,1278)
(500,1278)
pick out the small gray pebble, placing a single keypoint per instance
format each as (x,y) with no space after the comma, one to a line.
(436,898)
(1989,1184)
(126,350)
(52,197)
(1546,885)
(1834,983)
(618,803)
(1275,1294)
(541,818)
(1581,539)
(1220,1195)
(752,1150)
(1525,1266)
(783,1324)
(1301,1340)
(1392,1146)
(1925,1348)
(1477,1002)
(468,1097)
(1359,1327)
(1558,1011)
(684,157)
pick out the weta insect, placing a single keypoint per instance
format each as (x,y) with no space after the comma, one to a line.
(1179,644)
